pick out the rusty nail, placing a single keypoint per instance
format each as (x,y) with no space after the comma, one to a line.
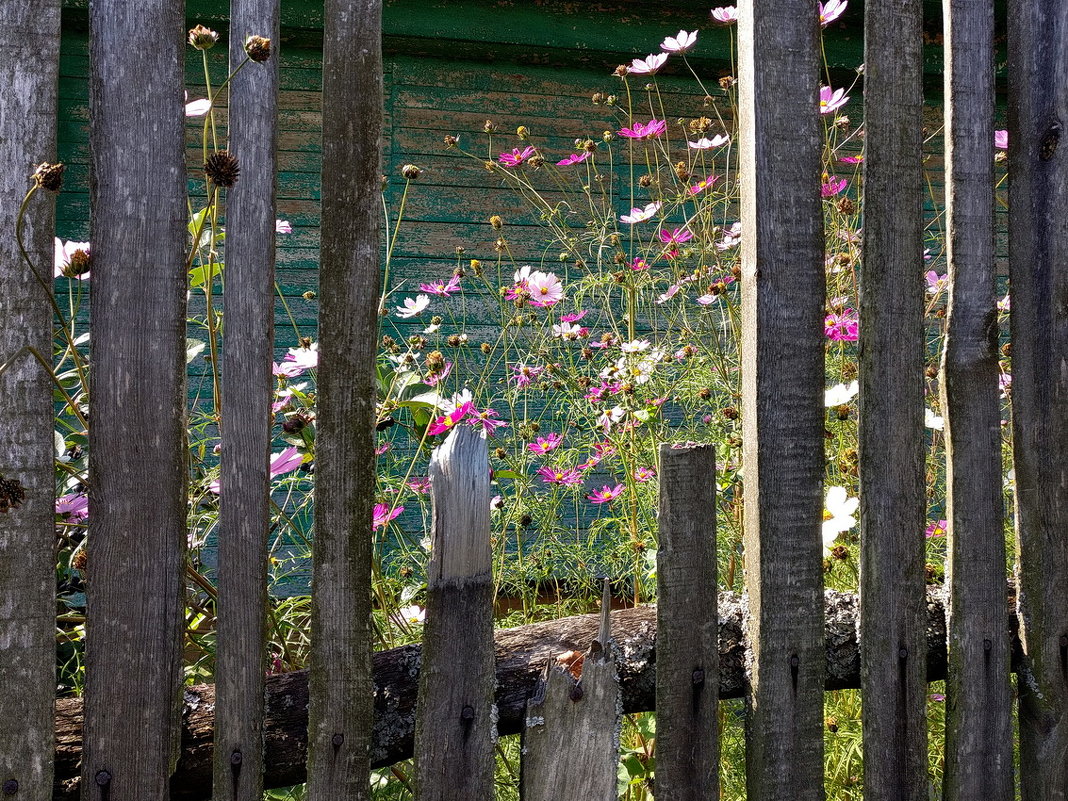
(235,758)
(11,786)
(103,778)
(903,653)
(576,693)
(795,660)
(698,677)
(337,740)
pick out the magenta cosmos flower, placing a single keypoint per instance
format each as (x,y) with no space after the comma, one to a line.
(648,65)
(703,184)
(680,42)
(832,10)
(442,288)
(487,420)
(545,445)
(524,374)
(844,327)
(74,508)
(448,421)
(283,227)
(517,156)
(640,215)
(565,477)
(1001,140)
(832,99)
(281,463)
(383,514)
(833,186)
(676,235)
(725,15)
(644,130)
(937,529)
(605,494)
(574,158)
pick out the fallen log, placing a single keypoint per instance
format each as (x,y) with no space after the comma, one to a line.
(521,655)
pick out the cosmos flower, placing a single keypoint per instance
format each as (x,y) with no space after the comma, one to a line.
(842,326)
(196,108)
(544,445)
(573,317)
(283,462)
(648,65)
(703,184)
(605,494)
(574,158)
(840,394)
(523,374)
(516,157)
(725,15)
(935,282)
(1001,140)
(643,474)
(639,264)
(704,143)
(487,420)
(832,10)
(679,43)
(640,215)
(937,529)
(383,514)
(71,259)
(933,421)
(569,331)
(412,615)
(644,130)
(838,513)
(833,186)
(413,306)
(442,288)
(545,289)
(447,421)
(678,235)
(567,477)
(74,508)
(832,99)
(282,227)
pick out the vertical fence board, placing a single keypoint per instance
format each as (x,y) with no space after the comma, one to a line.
(782,389)
(687,627)
(571,733)
(1038,253)
(978,754)
(244,515)
(29,49)
(892,491)
(339,715)
(137,471)
(455,718)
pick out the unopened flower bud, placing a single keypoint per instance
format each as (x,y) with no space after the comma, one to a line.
(522,132)
(411,172)
(610,100)
(258,48)
(309,295)
(202,38)
(489,126)
(476,267)
(607,136)
(645,181)
(451,141)
(486,348)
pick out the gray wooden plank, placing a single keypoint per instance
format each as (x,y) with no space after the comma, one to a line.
(891,430)
(339,724)
(687,626)
(29,49)
(456,717)
(1038,253)
(978,748)
(783,288)
(247,385)
(137,473)
(571,731)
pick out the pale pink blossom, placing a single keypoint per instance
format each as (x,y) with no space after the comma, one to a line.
(1001,140)
(64,252)
(74,508)
(725,14)
(641,215)
(648,65)
(305,358)
(545,289)
(441,287)
(832,10)
(524,374)
(282,227)
(935,282)
(679,43)
(731,237)
(703,184)
(196,108)
(569,331)
(643,474)
(832,99)
(704,143)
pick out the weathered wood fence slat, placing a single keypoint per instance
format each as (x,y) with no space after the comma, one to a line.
(137,476)
(247,385)
(891,424)
(456,721)
(339,725)
(29,51)
(687,626)
(783,288)
(1038,253)
(978,754)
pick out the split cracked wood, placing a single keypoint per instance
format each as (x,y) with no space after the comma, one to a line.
(521,656)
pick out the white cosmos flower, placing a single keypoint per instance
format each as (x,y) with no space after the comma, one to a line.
(679,43)
(413,306)
(412,615)
(704,143)
(640,215)
(838,515)
(635,346)
(841,393)
(932,420)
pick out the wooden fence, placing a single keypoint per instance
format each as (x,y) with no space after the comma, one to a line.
(135,729)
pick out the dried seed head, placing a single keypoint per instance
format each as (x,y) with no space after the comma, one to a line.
(645,181)
(451,141)
(489,126)
(309,295)
(847,206)
(79,264)
(49,176)
(726,82)
(496,222)
(411,172)
(222,169)
(258,48)
(435,361)
(522,132)
(597,98)
(621,71)
(202,38)
(12,494)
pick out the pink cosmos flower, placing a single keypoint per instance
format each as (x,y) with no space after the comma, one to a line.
(304,358)
(545,289)
(671,292)
(832,99)
(516,157)
(486,420)
(283,462)
(704,143)
(64,252)
(1001,140)
(644,130)
(678,235)
(569,331)
(1004,384)
(648,65)
(74,508)
(643,474)
(731,237)
(545,445)
(383,514)
(442,288)
(937,529)
(832,10)
(287,369)
(605,494)
(639,264)
(574,158)
(419,484)
(679,43)
(573,317)
(851,159)
(433,379)
(381,449)
(446,422)
(833,186)
(523,374)
(703,184)
(1005,304)
(935,282)
(567,477)
(640,215)
(725,15)
(282,227)
(844,327)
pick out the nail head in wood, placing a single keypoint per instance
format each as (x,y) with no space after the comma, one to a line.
(236,758)
(11,786)
(467,713)
(103,778)
(337,740)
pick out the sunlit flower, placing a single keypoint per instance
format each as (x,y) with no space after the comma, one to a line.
(412,615)
(282,227)
(704,143)
(671,292)
(731,237)
(648,65)
(610,417)
(517,156)
(933,421)
(413,306)
(635,346)
(851,159)
(381,449)
(383,514)
(545,289)
(640,215)
(447,421)
(287,369)
(196,108)
(935,282)
(523,374)
(840,394)
(842,326)
(703,184)
(605,494)
(678,235)
(569,331)
(832,99)
(833,186)
(643,474)
(573,317)
(832,10)
(74,508)
(487,420)
(1005,304)
(838,513)
(545,445)
(434,378)
(574,158)
(644,130)
(565,476)
(639,264)
(285,461)
(937,529)
(679,43)
(442,288)
(305,358)
(71,259)
(725,14)
(1001,140)
(419,484)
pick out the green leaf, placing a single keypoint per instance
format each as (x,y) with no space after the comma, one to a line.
(199,275)
(193,348)
(512,474)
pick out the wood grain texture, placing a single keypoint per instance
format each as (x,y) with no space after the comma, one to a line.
(893,504)
(978,752)
(456,717)
(247,385)
(687,626)
(29,50)
(137,474)
(1038,253)
(339,726)
(783,288)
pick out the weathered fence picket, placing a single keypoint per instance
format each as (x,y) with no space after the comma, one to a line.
(339,723)
(978,755)
(687,626)
(29,51)
(891,424)
(247,386)
(137,476)
(1038,253)
(783,288)
(571,734)
(455,726)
